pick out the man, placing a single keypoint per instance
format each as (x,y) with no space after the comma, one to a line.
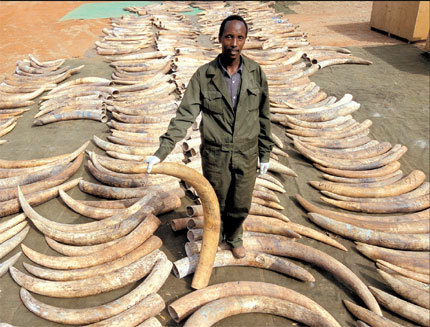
(232,94)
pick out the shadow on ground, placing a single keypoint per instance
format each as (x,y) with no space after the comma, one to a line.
(403,57)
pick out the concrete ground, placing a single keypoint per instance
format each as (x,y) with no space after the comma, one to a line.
(393,93)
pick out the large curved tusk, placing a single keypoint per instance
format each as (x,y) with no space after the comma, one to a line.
(424,278)
(357,181)
(409,292)
(4,266)
(69,115)
(73,250)
(24,97)
(152,283)
(288,248)
(13,242)
(424,189)
(186,266)
(409,205)
(403,308)
(90,286)
(15,104)
(269,225)
(279,168)
(42,161)
(108,146)
(368,316)
(13,206)
(210,207)
(150,201)
(384,170)
(109,192)
(316,125)
(330,113)
(149,307)
(322,137)
(48,63)
(322,260)
(406,184)
(389,240)
(368,150)
(85,80)
(186,305)
(151,244)
(128,243)
(55,180)
(416,261)
(5,225)
(340,61)
(40,173)
(353,164)
(313,132)
(421,215)
(302,230)
(225,307)
(4,236)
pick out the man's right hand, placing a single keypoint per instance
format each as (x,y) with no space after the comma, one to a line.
(151,161)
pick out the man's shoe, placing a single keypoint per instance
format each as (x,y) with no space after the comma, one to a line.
(239,252)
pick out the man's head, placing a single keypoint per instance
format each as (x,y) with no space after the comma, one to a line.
(232,36)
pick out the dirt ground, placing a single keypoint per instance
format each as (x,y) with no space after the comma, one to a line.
(34,27)
(397,105)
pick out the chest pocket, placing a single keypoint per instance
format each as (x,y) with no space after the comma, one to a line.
(213,101)
(253,98)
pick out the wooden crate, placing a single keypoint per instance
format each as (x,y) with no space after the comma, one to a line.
(406,19)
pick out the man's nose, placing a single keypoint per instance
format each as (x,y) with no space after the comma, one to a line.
(234,43)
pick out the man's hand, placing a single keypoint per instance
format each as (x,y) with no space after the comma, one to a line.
(264,167)
(151,161)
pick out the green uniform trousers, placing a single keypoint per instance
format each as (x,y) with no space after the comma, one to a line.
(231,169)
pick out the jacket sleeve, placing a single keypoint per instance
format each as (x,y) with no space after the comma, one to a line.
(185,116)
(265,142)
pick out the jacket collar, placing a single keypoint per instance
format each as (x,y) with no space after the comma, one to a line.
(214,72)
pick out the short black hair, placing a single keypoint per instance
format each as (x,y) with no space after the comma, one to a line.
(230,18)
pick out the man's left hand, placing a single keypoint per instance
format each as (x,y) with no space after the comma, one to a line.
(264,167)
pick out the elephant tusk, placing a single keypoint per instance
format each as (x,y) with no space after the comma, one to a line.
(416,261)
(403,308)
(233,305)
(128,243)
(210,207)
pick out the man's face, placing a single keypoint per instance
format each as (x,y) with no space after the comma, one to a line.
(233,39)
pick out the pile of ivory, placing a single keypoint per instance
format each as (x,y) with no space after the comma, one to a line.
(12,232)
(40,179)
(402,232)
(216,302)
(414,301)
(129,34)
(82,98)
(261,219)
(98,257)
(282,246)
(174,30)
(31,78)
(278,228)
(146,101)
(363,175)
(407,232)
(102,168)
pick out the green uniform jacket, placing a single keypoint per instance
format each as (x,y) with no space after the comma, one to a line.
(220,125)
